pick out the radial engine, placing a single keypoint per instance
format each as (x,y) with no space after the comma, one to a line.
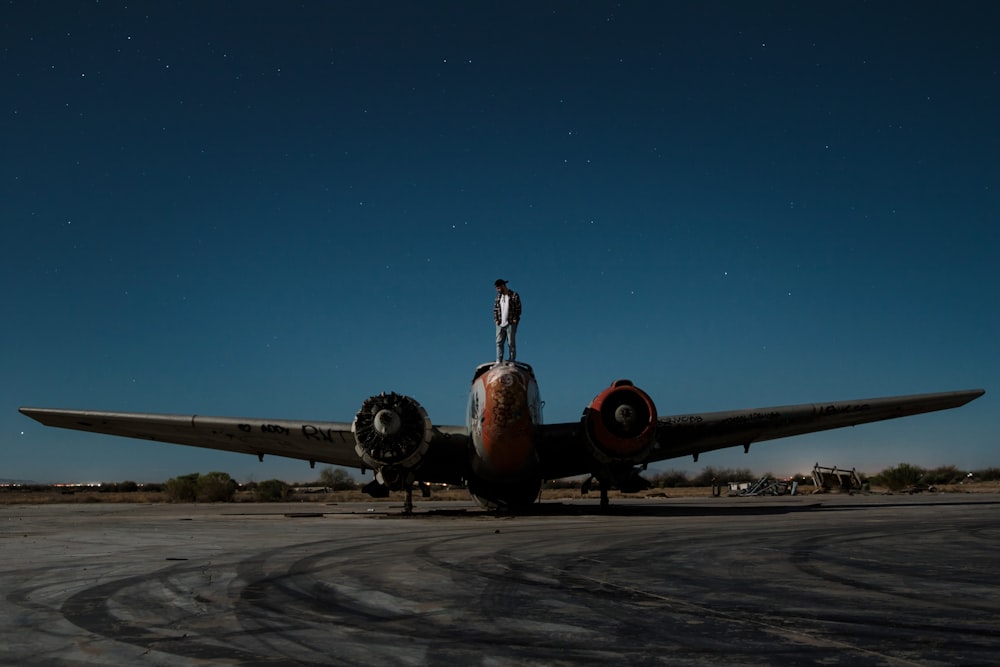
(392,433)
(621,428)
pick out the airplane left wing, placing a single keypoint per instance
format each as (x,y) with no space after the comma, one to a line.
(684,435)
(443,457)
(567,449)
(323,442)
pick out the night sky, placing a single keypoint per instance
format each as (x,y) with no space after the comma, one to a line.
(275,210)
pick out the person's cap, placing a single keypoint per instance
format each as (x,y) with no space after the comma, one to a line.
(499,282)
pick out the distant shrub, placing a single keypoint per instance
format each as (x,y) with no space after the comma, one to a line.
(724,476)
(272,490)
(943,475)
(803,479)
(182,489)
(337,479)
(986,475)
(212,487)
(900,477)
(118,487)
(216,487)
(669,479)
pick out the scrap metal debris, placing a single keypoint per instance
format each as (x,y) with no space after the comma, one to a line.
(765,486)
(836,479)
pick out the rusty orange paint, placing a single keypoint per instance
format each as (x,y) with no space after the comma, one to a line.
(507,429)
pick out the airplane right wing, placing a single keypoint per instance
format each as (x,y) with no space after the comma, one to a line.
(692,434)
(568,449)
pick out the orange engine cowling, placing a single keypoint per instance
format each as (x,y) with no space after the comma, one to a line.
(620,423)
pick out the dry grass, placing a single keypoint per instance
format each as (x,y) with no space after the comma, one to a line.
(16,496)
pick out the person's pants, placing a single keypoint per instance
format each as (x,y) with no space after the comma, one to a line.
(508,334)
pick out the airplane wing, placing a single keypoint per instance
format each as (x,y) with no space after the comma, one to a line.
(564,451)
(691,434)
(316,441)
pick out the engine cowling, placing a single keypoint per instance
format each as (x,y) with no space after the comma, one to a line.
(620,423)
(392,432)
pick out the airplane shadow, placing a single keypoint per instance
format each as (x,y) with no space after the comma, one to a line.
(897,505)
(556,509)
(664,508)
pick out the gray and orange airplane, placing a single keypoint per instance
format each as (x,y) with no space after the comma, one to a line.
(504,452)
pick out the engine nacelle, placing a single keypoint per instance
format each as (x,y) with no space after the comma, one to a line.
(620,423)
(391,432)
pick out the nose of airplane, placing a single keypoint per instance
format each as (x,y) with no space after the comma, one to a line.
(507,437)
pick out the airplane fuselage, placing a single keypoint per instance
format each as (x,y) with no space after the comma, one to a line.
(504,411)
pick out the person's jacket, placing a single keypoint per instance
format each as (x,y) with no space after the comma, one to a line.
(513,310)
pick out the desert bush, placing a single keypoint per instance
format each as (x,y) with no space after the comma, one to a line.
(272,490)
(212,487)
(182,489)
(724,476)
(216,487)
(337,479)
(943,475)
(119,487)
(900,477)
(669,479)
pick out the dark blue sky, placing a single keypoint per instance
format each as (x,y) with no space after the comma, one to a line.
(276,210)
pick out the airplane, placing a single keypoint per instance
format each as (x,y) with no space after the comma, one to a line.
(505,451)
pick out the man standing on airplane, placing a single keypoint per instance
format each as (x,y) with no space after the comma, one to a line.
(506,314)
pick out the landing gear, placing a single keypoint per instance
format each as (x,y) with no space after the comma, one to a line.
(425,491)
(408,503)
(377,489)
(603,485)
(625,477)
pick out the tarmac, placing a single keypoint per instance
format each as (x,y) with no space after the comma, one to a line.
(851,580)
